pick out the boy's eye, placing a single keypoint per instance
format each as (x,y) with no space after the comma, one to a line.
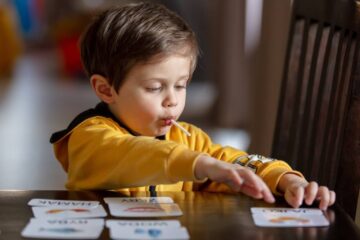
(153,89)
(180,87)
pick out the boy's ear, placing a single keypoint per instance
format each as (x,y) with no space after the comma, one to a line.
(102,88)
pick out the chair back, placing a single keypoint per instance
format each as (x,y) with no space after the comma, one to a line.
(318,122)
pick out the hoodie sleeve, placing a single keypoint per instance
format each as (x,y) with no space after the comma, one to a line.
(97,154)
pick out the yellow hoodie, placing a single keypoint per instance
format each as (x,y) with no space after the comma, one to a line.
(99,152)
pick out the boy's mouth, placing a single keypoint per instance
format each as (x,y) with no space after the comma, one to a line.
(167,121)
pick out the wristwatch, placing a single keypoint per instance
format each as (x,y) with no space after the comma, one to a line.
(249,160)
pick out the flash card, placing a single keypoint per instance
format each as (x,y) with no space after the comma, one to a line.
(142,223)
(149,233)
(118,200)
(36,202)
(74,222)
(288,217)
(146,229)
(139,209)
(69,212)
(64,229)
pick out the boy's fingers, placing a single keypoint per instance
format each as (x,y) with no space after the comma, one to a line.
(235,181)
(332,198)
(254,186)
(295,195)
(310,192)
(324,196)
(250,191)
(268,196)
(251,179)
(290,199)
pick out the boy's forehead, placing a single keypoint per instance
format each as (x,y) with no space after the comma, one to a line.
(177,65)
(160,57)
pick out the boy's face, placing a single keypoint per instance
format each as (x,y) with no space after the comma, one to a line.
(152,94)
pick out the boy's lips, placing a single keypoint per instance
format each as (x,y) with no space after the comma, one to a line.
(167,121)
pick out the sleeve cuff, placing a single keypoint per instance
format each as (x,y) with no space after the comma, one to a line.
(181,165)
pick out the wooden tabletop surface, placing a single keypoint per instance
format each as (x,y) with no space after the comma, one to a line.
(205,215)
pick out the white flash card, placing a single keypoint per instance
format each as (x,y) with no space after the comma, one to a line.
(60,229)
(67,222)
(67,212)
(143,223)
(36,202)
(138,200)
(288,217)
(149,233)
(139,209)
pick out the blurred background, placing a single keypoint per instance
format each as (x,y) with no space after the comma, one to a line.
(233,95)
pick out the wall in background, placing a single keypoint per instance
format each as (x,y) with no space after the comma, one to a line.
(234,89)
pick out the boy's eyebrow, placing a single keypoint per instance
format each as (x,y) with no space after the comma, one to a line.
(185,77)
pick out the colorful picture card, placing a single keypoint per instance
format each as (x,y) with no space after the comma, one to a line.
(146,229)
(289,217)
(37,202)
(63,228)
(143,207)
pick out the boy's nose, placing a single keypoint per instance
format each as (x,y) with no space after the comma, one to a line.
(170,99)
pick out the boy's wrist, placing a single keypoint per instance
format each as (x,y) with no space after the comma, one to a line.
(288,179)
(202,165)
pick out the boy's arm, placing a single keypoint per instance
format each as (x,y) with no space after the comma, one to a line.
(270,170)
(234,174)
(99,156)
(238,178)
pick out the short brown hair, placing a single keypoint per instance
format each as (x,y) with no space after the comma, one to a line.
(121,37)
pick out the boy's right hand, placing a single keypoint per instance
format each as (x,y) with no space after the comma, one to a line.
(238,178)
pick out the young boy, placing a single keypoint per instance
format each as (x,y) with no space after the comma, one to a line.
(140,59)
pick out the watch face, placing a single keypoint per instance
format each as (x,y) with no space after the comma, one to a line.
(257,157)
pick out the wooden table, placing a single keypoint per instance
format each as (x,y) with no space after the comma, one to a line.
(206,216)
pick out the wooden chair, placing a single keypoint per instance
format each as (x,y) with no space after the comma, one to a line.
(318,122)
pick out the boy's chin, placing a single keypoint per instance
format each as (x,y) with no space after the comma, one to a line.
(156,132)
(162,131)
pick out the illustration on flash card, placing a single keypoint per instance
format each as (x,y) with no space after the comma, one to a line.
(145,210)
(68,212)
(143,207)
(288,217)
